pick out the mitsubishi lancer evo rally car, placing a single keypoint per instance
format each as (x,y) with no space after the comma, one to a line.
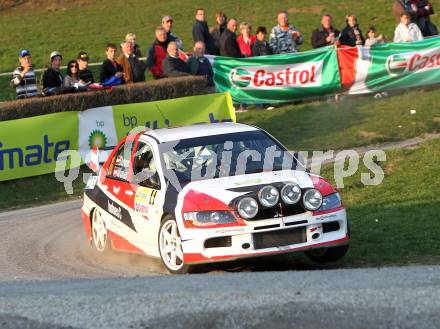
(209,193)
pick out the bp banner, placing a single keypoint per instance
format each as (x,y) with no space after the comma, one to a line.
(278,78)
(30,146)
(396,65)
(105,126)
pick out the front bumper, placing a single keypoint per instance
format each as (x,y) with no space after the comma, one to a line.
(265,237)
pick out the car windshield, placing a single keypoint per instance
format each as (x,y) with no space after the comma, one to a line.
(225,155)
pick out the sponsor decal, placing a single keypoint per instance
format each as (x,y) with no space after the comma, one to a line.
(98,139)
(114,210)
(301,75)
(32,155)
(413,62)
(91,182)
(140,200)
(325,217)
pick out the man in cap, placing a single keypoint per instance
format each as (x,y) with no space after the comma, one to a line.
(23,77)
(167,24)
(52,77)
(84,73)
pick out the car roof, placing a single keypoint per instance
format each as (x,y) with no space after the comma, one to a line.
(163,135)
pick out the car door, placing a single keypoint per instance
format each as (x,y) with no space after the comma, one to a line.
(147,180)
(119,200)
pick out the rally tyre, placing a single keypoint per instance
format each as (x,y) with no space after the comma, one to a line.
(100,239)
(170,247)
(327,255)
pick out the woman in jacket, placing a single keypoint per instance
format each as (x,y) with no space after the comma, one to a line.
(351,35)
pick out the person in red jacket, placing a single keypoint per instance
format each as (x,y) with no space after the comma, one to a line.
(157,53)
(245,40)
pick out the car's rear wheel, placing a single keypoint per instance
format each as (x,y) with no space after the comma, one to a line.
(327,255)
(170,246)
(99,232)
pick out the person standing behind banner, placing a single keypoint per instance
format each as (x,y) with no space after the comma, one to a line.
(325,35)
(421,10)
(173,66)
(200,32)
(371,38)
(228,41)
(131,37)
(110,68)
(167,24)
(72,78)
(132,67)
(23,78)
(285,38)
(52,77)
(199,64)
(84,73)
(261,46)
(407,31)
(219,28)
(245,40)
(157,53)
(351,35)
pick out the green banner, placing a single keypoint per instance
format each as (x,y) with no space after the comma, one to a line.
(209,108)
(278,78)
(404,65)
(30,146)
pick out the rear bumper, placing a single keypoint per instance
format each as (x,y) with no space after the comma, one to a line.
(251,241)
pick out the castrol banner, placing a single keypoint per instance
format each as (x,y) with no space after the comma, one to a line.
(390,66)
(278,78)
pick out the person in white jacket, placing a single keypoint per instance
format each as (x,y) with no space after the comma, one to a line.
(407,31)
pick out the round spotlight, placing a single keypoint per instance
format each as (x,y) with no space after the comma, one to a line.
(269,196)
(291,193)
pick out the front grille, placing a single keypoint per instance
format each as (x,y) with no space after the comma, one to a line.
(279,238)
(279,211)
(330,227)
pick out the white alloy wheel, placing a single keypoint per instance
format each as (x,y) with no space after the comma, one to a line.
(170,246)
(99,231)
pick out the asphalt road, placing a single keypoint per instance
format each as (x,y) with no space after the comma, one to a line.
(51,278)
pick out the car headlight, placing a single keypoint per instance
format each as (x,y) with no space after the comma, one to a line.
(291,193)
(206,218)
(247,208)
(269,196)
(330,202)
(312,199)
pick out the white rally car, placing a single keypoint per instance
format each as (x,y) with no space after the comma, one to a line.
(210,193)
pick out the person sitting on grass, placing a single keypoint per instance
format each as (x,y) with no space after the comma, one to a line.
(199,64)
(245,40)
(407,31)
(110,69)
(83,63)
(157,53)
(261,46)
(52,77)
(173,66)
(23,78)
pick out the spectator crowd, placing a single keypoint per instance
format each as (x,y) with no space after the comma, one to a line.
(166,57)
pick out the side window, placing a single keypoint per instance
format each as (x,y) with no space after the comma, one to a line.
(144,167)
(120,163)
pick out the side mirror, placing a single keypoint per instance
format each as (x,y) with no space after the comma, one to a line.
(152,182)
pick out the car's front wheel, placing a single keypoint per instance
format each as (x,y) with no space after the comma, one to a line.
(170,246)
(99,232)
(327,255)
